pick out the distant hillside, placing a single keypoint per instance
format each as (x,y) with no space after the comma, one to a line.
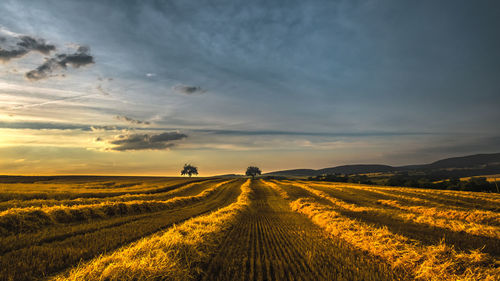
(229,176)
(357,169)
(472,161)
(478,164)
(296,172)
(344,169)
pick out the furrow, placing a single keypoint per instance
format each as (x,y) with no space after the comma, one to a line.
(25,264)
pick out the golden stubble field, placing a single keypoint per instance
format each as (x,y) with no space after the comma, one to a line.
(133,228)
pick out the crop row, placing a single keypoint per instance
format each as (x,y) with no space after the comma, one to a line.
(22,192)
(270,242)
(476,216)
(463,199)
(436,209)
(392,198)
(426,218)
(172,255)
(17,220)
(172,191)
(425,262)
(425,229)
(57,250)
(439,262)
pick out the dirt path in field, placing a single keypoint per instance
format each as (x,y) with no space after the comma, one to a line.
(270,242)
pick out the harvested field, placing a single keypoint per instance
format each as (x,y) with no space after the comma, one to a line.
(239,229)
(269,242)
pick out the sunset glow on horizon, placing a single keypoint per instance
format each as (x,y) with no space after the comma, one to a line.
(141,88)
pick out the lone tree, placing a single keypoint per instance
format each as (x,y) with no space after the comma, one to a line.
(253,171)
(189,170)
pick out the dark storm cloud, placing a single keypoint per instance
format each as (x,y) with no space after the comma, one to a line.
(80,58)
(15,46)
(131,120)
(146,141)
(189,90)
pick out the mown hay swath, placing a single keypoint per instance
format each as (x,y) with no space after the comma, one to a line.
(172,255)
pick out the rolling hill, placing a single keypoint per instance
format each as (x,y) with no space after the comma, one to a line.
(476,164)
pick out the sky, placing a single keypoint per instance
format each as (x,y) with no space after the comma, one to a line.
(142,87)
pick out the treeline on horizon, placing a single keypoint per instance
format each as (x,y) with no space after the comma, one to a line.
(477,184)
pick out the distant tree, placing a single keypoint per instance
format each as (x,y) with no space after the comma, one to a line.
(252,171)
(189,170)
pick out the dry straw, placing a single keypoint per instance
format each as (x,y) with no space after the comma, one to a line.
(175,254)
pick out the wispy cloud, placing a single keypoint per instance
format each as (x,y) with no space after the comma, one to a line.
(131,120)
(145,141)
(56,126)
(462,145)
(51,101)
(67,126)
(102,91)
(188,90)
(304,133)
